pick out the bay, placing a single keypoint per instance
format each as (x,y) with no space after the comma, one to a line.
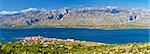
(121,36)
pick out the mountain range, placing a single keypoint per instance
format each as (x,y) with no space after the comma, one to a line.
(75,17)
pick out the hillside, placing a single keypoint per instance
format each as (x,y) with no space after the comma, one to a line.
(40,45)
(89,17)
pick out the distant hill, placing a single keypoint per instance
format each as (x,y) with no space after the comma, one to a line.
(76,17)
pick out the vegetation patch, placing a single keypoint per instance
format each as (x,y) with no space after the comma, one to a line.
(40,45)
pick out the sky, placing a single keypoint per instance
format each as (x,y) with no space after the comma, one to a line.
(15,5)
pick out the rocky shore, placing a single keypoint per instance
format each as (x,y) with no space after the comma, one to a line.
(47,41)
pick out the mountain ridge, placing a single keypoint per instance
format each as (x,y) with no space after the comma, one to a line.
(109,15)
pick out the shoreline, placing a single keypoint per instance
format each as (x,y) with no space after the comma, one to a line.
(37,38)
(74,28)
(41,38)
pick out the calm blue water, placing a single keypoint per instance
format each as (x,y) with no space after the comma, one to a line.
(97,35)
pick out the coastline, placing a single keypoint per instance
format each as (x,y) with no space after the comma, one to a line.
(105,27)
(86,27)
